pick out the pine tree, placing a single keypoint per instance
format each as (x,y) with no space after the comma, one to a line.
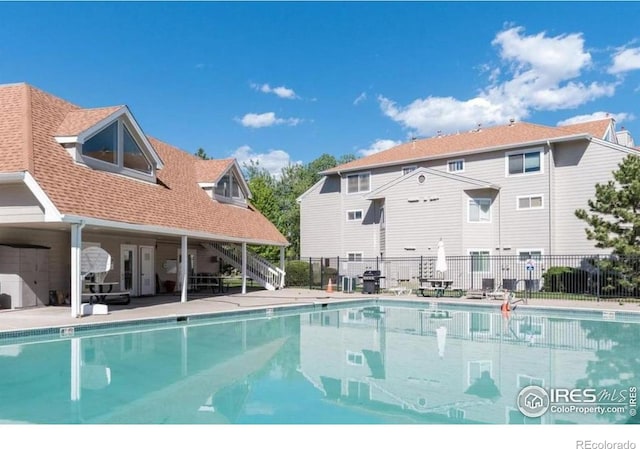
(614,223)
(614,220)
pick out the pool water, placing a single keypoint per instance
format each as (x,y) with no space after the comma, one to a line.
(379,363)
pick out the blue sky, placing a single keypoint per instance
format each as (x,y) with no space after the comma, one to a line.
(286,82)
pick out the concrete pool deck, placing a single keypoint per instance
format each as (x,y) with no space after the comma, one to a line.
(167,306)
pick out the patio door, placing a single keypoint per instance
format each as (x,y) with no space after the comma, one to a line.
(147,270)
(137,269)
(129,269)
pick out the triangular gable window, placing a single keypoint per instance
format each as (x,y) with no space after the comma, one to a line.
(133,157)
(114,148)
(104,145)
(228,187)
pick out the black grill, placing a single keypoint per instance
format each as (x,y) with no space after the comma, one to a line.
(371,281)
(371,275)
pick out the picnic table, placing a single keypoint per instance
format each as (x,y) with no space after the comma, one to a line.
(437,286)
(102,291)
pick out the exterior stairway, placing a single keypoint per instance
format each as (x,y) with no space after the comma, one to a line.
(260,270)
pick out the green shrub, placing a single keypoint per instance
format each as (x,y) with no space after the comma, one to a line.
(566,280)
(297,273)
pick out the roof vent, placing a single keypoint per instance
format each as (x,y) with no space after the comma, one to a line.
(511,121)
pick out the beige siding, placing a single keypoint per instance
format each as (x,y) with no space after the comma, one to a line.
(321,220)
(566,182)
(18,205)
(576,171)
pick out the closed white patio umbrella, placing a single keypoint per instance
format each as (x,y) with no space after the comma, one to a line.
(441,261)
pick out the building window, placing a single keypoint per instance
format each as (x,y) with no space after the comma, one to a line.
(116,145)
(354,257)
(530,202)
(132,155)
(526,254)
(409,169)
(455,166)
(358,183)
(479,210)
(480,262)
(525,381)
(354,215)
(355,358)
(229,187)
(104,145)
(523,163)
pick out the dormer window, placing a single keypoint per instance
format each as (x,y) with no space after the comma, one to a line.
(104,145)
(228,187)
(116,145)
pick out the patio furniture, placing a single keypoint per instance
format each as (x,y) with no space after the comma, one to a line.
(95,263)
(437,286)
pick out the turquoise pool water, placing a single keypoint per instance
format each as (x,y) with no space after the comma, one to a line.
(375,363)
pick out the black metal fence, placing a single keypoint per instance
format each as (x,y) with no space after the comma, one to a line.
(586,277)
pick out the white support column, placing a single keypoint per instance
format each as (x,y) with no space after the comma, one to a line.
(185,269)
(282,265)
(244,268)
(76,277)
(76,367)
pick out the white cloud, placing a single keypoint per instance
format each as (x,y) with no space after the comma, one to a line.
(619,118)
(273,160)
(537,73)
(280,91)
(360,98)
(625,60)
(378,146)
(266,119)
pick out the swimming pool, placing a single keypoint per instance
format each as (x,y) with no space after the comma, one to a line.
(376,363)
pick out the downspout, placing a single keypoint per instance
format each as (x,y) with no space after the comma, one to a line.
(499,222)
(549,196)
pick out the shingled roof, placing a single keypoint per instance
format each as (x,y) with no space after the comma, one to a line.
(29,121)
(477,140)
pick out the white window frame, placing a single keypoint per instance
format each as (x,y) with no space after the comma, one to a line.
(353,316)
(478,250)
(519,251)
(354,358)
(523,152)
(118,166)
(476,200)
(521,378)
(354,211)
(359,191)
(357,256)
(536,195)
(455,161)
(408,169)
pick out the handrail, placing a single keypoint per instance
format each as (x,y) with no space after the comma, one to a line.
(258,268)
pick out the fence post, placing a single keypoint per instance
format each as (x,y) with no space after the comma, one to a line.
(598,280)
(310,273)
(338,274)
